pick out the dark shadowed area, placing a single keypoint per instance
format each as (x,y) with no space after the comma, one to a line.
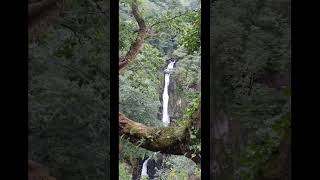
(250,51)
(69,89)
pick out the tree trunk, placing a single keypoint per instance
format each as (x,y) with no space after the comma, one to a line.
(136,170)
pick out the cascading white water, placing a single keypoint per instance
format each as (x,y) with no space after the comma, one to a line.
(165,115)
(144,172)
(165,95)
(144,169)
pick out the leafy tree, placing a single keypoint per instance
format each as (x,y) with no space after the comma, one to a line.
(151,32)
(251,89)
(69,87)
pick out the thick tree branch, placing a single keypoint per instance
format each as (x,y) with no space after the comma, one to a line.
(137,45)
(166,140)
(169,140)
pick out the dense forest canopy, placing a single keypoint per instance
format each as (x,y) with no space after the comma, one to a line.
(69,89)
(151,33)
(250,53)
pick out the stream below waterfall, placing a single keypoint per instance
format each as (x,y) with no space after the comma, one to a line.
(165,114)
(144,172)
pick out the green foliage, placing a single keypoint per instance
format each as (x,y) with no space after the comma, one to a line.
(139,93)
(185,81)
(172,25)
(144,178)
(132,151)
(124,172)
(187,76)
(252,44)
(191,35)
(256,156)
(69,93)
(173,22)
(178,168)
(195,134)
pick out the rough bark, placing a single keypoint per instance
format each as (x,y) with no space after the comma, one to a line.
(168,140)
(136,170)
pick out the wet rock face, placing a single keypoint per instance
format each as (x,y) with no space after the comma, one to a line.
(154,165)
(176,103)
(177,94)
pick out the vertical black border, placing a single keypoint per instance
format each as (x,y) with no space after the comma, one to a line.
(205,90)
(14,78)
(114,89)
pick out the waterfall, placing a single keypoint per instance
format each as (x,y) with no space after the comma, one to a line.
(144,172)
(165,95)
(165,115)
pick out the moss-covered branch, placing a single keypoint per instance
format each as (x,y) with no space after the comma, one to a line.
(169,140)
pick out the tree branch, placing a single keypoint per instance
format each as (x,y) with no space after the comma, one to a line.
(166,140)
(174,17)
(169,140)
(137,45)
